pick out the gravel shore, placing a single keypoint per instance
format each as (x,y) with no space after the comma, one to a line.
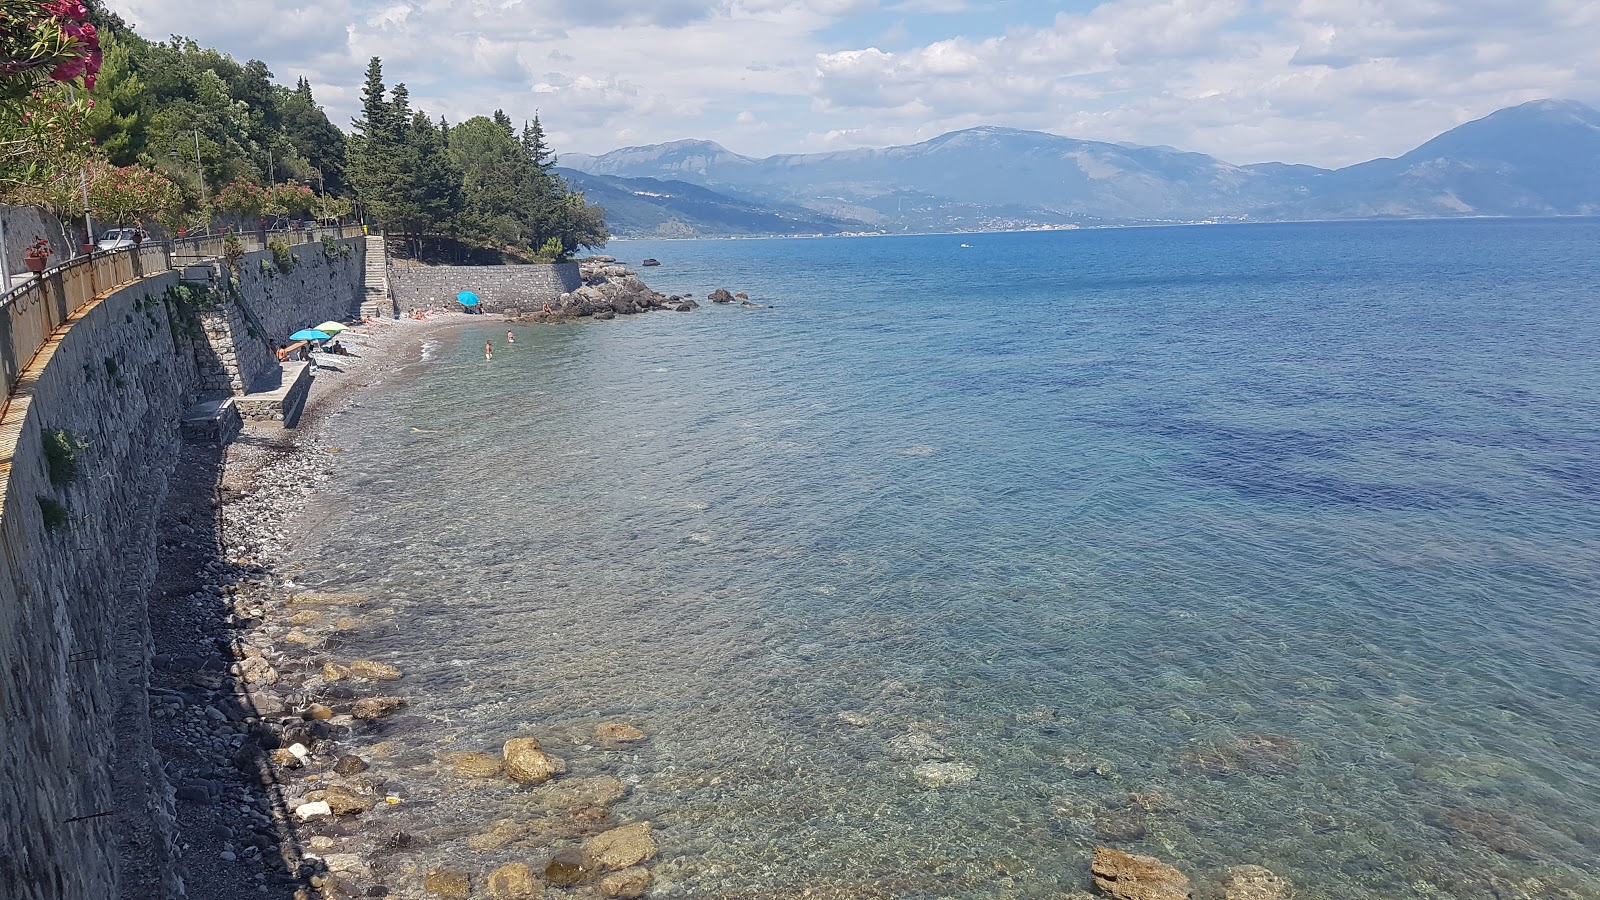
(231,689)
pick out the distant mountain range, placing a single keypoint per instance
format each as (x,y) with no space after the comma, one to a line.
(1540,158)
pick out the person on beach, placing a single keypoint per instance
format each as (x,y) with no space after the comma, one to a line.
(488,350)
(283,352)
(510,338)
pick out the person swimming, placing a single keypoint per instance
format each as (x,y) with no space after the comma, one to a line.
(488,350)
(510,338)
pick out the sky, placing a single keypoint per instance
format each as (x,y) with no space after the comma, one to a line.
(1324,82)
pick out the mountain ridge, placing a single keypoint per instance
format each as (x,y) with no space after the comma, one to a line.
(1539,158)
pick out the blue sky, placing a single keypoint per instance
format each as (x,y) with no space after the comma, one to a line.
(1328,82)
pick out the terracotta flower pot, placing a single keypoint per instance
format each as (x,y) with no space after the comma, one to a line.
(87,249)
(36,264)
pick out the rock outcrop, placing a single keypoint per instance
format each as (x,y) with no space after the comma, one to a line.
(608,291)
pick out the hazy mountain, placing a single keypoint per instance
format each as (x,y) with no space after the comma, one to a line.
(1536,159)
(1540,158)
(651,207)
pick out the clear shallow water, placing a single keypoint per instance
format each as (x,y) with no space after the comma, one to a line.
(1272,545)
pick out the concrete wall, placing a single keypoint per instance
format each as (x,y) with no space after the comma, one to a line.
(78,776)
(499,287)
(23,224)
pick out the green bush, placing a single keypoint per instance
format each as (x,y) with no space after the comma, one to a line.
(56,515)
(61,455)
(330,248)
(282,256)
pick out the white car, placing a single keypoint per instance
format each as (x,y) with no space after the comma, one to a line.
(121,238)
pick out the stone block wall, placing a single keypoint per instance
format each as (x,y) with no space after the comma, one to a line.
(85,811)
(499,287)
(76,767)
(241,333)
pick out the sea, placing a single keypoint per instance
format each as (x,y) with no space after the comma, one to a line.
(960,555)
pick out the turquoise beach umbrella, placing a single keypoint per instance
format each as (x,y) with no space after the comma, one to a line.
(467,298)
(309,334)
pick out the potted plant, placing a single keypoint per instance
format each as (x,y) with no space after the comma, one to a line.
(38,255)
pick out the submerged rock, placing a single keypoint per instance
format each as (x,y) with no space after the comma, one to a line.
(628,884)
(620,848)
(944,774)
(527,763)
(501,835)
(350,765)
(617,735)
(452,884)
(566,869)
(1262,754)
(1253,883)
(343,801)
(474,764)
(1124,825)
(596,790)
(376,707)
(374,670)
(1124,876)
(514,881)
(721,295)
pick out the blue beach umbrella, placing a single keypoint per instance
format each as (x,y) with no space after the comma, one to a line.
(467,298)
(309,334)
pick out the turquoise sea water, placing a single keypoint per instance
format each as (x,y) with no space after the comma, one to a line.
(1249,544)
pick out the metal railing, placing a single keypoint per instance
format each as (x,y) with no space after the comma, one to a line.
(32,311)
(187,251)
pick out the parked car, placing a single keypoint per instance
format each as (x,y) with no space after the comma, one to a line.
(121,238)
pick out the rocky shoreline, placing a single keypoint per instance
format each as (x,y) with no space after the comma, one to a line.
(610,290)
(292,772)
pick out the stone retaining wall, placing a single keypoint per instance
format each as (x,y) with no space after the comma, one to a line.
(499,287)
(85,811)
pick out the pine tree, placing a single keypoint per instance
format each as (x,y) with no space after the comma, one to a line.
(534,146)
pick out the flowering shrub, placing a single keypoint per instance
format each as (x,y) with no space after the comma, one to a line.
(39,249)
(45,41)
(241,197)
(130,194)
(290,199)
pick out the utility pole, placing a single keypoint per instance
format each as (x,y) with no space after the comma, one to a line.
(83,184)
(198,169)
(5,263)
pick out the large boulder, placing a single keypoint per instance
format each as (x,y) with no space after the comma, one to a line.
(1125,876)
(721,295)
(527,763)
(620,848)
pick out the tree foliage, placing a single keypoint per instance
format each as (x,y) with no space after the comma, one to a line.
(478,181)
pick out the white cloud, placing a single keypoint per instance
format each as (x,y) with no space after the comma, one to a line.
(1322,81)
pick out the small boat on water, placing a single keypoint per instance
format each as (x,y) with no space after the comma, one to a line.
(651,262)
(968,246)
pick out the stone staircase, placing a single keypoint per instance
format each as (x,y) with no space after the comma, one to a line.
(379,301)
